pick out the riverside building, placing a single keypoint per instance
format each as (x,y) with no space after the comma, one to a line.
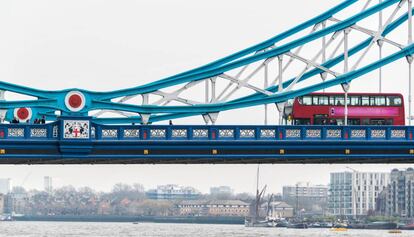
(355,193)
(400,194)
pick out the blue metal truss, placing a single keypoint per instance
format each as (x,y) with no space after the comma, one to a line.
(47,102)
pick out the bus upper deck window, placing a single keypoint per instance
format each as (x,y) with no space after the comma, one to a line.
(372,101)
(355,100)
(394,101)
(307,100)
(381,101)
(365,101)
(331,100)
(315,100)
(339,100)
(323,100)
(378,101)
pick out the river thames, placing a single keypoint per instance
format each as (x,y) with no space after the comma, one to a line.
(56,229)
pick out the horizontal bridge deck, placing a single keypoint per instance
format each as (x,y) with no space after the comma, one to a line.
(58,143)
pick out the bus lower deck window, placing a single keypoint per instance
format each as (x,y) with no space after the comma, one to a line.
(377,122)
(302,121)
(365,121)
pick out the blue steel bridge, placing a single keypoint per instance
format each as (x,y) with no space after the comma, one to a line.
(332,49)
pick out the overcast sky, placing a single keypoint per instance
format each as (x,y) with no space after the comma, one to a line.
(106,44)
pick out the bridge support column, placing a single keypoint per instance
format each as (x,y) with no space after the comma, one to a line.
(207,92)
(380,43)
(266,84)
(210,117)
(410,59)
(323,74)
(346,86)
(2,111)
(145,118)
(280,106)
(145,99)
(213,89)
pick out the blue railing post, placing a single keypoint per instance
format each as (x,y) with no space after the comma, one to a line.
(388,133)
(281,133)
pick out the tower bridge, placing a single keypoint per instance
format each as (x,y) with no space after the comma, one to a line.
(331,49)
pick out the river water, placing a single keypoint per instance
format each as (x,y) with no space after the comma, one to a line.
(56,229)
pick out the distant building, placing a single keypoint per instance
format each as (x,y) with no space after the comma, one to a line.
(278,210)
(221,190)
(172,191)
(400,193)
(1,203)
(4,186)
(8,203)
(355,193)
(16,201)
(48,184)
(304,196)
(314,192)
(213,208)
(381,203)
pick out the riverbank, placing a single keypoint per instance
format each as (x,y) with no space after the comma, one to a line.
(153,219)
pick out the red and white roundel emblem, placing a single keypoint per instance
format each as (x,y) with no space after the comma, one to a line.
(23,114)
(75,101)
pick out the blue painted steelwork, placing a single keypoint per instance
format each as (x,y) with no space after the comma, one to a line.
(49,101)
(44,144)
(328,64)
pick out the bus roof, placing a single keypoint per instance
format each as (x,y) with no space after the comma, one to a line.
(356,93)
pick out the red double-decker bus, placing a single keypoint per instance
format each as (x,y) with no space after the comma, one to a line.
(363,109)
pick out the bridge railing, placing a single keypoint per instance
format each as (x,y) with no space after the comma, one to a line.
(177,132)
(198,132)
(32,131)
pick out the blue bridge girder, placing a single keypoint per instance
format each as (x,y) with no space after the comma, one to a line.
(46,103)
(194,144)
